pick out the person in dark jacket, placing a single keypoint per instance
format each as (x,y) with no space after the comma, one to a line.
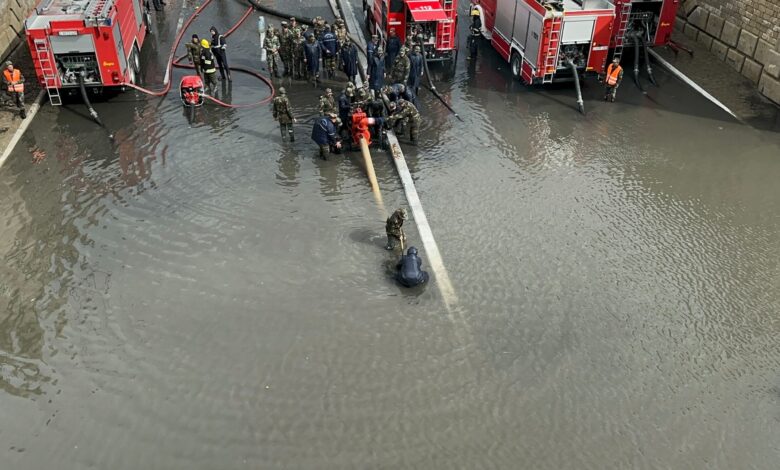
(325,135)
(416,68)
(330,51)
(218,48)
(312,53)
(345,107)
(372,45)
(376,70)
(393,48)
(349,59)
(409,269)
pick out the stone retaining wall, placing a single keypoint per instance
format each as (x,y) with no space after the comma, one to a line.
(12,16)
(745,34)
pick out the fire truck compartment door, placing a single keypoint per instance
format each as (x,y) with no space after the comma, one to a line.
(534,40)
(578,30)
(426,10)
(82,43)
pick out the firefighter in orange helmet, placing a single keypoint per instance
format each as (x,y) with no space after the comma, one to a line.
(14,86)
(612,79)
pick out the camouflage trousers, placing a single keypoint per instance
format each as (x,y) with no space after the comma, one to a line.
(330,66)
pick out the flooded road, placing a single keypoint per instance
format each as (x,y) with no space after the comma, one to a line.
(196,294)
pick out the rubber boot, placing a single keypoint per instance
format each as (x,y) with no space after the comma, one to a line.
(23,112)
(292,134)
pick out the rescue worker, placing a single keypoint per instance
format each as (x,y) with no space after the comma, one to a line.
(207,63)
(327,103)
(330,49)
(272,57)
(372,45)
(193,52)
(401,67)
(283,113)
(612,80)
(218,46)
(325,135)
(475,28)
(285,48)
(416,69)
(406,111)
(376,70)
(298,56)
(393,47)
(394,229)
(13,82)
(349,59)
(345,106)
(312,52)
(409,271)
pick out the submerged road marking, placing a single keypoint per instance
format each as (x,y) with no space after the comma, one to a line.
(426,234)
(693,84)
(22,128)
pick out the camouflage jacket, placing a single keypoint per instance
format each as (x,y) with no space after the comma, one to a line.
(282,111)
(327,105)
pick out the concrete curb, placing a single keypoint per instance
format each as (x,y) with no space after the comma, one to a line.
(34,108)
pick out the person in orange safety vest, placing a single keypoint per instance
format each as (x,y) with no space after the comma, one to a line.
(612,79)
(13,81)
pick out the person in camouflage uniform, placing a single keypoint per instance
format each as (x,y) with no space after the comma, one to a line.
(394,230)
(327,103)
(404,112)
(298,56)
(193,52)
(285,48)
(340,29)
(318,25)
(401,67)
(362,97)
(283,113)
(272,52)
(294,26)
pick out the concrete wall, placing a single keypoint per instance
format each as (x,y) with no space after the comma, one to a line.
(12,16)
(745,34)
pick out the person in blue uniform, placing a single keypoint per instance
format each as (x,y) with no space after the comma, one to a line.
(409,272)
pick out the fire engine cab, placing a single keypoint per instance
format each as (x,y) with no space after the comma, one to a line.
(550,40)
(432,23)
(97,42)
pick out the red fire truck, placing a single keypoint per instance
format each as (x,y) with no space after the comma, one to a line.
(431,22)
(96,42)
(550,40)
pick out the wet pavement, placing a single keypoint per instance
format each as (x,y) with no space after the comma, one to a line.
(196,294)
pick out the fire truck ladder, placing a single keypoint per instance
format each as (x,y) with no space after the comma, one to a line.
(446,27)
(49,71)
(625,15)
(553,41)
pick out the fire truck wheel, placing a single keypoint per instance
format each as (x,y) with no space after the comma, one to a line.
(516,65)
(136,59)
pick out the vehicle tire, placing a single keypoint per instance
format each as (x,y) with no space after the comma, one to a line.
(516,65)
(136,59)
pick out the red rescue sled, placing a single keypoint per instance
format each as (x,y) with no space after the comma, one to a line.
(191,90)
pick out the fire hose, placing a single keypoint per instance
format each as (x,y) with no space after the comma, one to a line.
(580,103)
(176,62)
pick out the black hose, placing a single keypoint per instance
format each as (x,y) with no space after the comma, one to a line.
(280,14)
(636,62)
(647,61)
(432,88)
(85,97)
(580,103)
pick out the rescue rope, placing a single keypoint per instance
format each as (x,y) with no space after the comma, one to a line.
(176,62)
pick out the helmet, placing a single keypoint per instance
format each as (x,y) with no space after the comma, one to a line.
(8,62)
(292,18)
(284,24)
(417,49)
(392,106)
(328,91)
(205,43)
(411,251)
(402,213)
(282,91)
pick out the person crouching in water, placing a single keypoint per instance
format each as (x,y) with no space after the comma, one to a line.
(409,271)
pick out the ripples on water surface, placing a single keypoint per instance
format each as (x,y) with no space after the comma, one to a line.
(196,295)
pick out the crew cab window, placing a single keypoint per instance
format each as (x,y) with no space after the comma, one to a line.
(396,6)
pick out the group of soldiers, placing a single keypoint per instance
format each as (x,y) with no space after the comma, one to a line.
(303,52)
